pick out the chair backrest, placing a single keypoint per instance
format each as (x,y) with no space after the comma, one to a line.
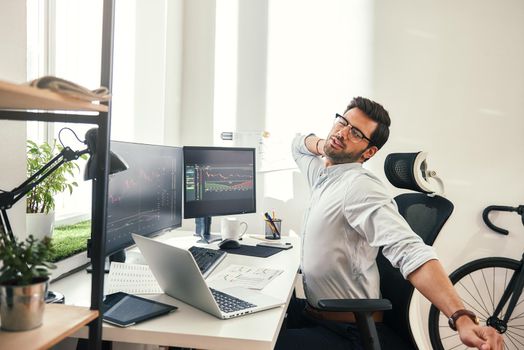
(426,214)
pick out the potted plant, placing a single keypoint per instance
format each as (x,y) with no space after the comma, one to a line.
(24,275)
(41,200)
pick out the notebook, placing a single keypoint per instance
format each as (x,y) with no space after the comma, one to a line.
(179,276)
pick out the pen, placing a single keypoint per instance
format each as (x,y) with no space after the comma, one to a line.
(274,228)
(271,224)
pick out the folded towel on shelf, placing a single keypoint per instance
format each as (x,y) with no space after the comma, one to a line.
(70,89)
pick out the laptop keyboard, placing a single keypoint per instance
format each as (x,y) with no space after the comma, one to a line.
(206,258)
(228,303)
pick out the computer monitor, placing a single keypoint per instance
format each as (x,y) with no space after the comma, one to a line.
(218,181)
(145,199)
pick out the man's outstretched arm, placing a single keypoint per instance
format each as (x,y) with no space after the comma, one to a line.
(431,280)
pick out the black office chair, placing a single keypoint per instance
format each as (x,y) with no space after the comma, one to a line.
(426,213)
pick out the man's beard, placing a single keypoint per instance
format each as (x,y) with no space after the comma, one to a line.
(341,156)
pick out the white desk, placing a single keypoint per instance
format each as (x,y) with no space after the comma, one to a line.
(190,327)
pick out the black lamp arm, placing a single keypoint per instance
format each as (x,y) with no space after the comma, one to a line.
(6,233)
(8,199)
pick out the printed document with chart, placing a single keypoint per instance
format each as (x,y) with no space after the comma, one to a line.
(241,276)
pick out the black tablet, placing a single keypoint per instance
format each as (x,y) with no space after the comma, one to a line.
(124,310)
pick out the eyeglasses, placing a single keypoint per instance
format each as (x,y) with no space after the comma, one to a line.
(355,135)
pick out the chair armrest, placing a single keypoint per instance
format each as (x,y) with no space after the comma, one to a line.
(355,305)
(363,310)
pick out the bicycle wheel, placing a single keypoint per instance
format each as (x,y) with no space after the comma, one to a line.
(480,284)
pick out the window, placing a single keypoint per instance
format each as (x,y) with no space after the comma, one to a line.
(64,39)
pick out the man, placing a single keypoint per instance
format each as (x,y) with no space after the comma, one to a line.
(350,216)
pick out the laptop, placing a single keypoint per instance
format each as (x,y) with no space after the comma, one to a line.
(178,275)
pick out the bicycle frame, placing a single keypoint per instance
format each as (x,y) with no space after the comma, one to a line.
(516,284)
(512,293)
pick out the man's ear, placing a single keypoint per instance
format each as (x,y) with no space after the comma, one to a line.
(369,152)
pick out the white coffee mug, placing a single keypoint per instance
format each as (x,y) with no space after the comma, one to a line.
(231,228)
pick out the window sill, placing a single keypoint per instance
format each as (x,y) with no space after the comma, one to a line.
(69,265)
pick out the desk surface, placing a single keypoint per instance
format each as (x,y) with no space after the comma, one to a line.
(190,327)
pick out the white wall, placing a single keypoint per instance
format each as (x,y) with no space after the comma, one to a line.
(450,73)
(13,40)
(442,73)
(436,69)
(148,71)
(454,88)
(198,72)
(252,65)
(173,68)
(319,55)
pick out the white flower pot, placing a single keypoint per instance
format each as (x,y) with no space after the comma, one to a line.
(40,225)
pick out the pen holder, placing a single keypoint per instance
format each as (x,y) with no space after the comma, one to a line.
(270,234)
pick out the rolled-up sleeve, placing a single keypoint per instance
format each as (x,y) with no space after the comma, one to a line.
(373,214)
(308,163)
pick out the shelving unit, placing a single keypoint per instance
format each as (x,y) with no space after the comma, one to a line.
(20,102)
(23,102)
(60,321)
(25,97)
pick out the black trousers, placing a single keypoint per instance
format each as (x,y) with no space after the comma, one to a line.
(303,332)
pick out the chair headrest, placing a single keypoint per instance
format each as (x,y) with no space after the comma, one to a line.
(409,171)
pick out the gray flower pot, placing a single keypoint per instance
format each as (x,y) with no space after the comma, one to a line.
(22,307)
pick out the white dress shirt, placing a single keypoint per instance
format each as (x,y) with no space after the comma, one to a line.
(349,217)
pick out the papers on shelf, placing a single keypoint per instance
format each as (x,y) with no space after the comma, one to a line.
(243,277)
(70,89)
(132,279)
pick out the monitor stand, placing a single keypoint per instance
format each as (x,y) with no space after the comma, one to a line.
(119,256)
(203,230)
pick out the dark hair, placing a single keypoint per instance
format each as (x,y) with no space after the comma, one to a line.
(377,113)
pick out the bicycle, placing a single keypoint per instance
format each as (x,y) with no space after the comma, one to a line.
(492,288)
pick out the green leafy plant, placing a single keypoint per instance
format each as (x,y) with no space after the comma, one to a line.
(24,262)
(41,198)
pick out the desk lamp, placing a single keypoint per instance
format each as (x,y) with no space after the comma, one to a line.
(10,198)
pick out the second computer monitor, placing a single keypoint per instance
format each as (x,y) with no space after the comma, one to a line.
(146,199)
(218,181)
